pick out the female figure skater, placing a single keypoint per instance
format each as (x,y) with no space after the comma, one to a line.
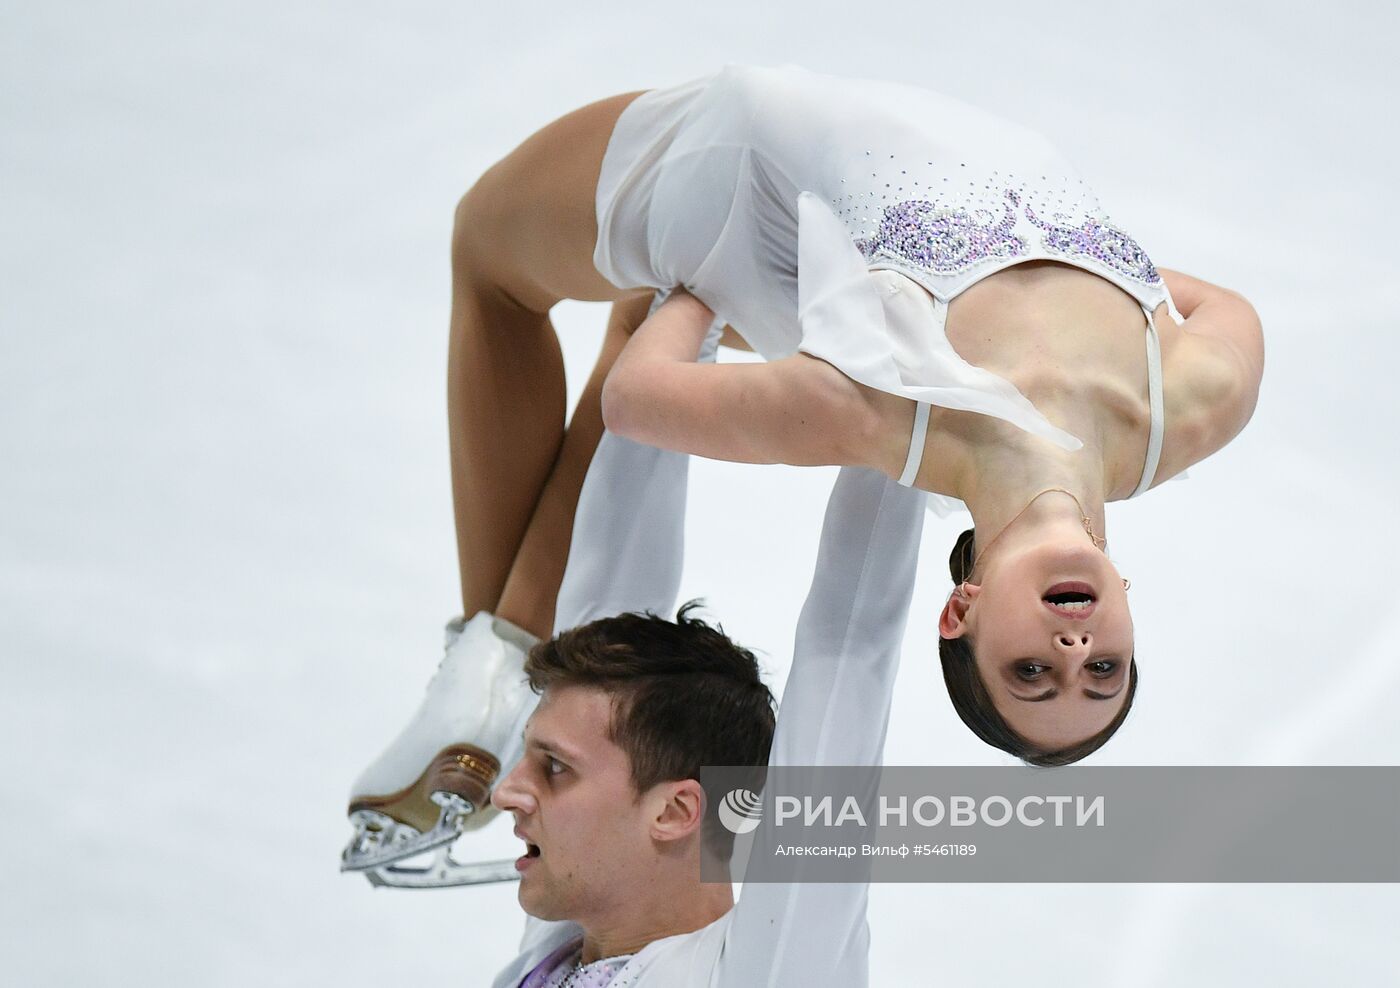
(938,297)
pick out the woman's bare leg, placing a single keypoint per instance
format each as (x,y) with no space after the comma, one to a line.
(516,471)
(532,588)
(505,407)
(523,240)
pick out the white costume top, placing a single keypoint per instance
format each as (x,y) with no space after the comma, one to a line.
(626,555)
(796,205)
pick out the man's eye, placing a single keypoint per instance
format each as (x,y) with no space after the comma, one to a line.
(1030,670)
(554,766)
(1104,667)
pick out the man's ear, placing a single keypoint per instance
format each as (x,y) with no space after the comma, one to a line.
(952,623)
(681,811)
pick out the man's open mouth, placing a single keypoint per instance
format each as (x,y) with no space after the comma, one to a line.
(532,850)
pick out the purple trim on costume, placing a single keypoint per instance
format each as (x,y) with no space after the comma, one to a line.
(1103,242)
(546,967)
(945,240)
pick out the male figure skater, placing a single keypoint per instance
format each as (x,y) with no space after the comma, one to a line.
(606,797)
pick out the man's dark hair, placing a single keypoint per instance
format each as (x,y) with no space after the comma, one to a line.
(683,694)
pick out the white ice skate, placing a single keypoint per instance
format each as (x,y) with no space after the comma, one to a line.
(434,782)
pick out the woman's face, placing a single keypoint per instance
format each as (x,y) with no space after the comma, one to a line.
(1051,631)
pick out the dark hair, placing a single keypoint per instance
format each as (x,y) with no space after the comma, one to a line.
(974,704)
(683,693)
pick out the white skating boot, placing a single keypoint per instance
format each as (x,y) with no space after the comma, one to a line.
(434,782)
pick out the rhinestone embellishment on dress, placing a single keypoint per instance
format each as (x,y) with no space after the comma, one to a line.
(949,239)
(1103,242)
(944,239)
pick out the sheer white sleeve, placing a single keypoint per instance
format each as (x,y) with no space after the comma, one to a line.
(835,711)
(628,544)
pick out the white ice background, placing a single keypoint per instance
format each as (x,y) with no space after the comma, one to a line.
(225,532)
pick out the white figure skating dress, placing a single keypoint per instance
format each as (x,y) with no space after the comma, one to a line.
(795,205)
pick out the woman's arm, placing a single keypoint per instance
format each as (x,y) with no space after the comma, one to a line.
(1220,313)
(798,410)
(1228,381)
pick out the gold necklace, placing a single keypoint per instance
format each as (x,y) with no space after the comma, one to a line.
(1099,542)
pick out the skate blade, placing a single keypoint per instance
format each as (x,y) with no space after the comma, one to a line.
(380,840)
(443,872)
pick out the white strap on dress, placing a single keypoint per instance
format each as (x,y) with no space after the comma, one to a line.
(1158,428)
(916,445)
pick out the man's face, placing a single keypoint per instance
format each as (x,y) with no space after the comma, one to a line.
(588,835)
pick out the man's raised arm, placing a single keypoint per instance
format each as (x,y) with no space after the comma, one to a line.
(834,711)
(628,545)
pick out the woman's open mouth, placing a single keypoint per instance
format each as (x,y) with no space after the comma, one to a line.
(1071,600)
